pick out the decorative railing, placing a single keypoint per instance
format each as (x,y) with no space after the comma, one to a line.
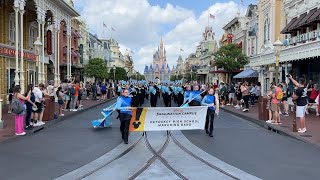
(304,46)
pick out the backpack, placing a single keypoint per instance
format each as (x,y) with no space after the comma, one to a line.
(17,107)
(72,90)
(279,95)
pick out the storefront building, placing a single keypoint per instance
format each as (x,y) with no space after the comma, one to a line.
(22,23)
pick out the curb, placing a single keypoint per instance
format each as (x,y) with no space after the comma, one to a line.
(55,121)
(270,127)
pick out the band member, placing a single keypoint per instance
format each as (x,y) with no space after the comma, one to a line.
(124,104)
(195,97)
(142,94)
(135,96)
(212,102)
(167,96)
(180,95)
(153,95)
(187,94)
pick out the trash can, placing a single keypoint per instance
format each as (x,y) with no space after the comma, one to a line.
(263,111)
(49,110)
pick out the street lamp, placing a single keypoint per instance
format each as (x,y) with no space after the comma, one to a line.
(37,48)
(114,73)
(277,45)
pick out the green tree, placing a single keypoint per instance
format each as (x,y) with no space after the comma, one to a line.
(191,75)
(96,68)
(119,74)
(230,58)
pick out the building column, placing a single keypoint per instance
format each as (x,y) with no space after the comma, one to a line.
(58,57)
(42,64)
(21,52)
(69,57)
(55,55)
(16,76)
(38,63)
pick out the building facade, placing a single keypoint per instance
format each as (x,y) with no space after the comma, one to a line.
(23,23)
(159,67)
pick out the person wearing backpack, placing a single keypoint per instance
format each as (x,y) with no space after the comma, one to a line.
(276,97)
(18,108)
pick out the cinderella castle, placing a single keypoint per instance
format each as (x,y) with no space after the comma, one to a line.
(159,67)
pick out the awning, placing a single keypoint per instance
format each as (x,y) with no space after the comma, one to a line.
(248,73)
(286,29)
(295,24)
(315,16)
(304,21)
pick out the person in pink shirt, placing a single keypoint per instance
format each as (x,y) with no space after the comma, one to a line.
(275,104)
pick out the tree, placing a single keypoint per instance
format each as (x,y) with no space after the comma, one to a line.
(137,76)
(230,58)
(120,74)
(191,75)
(96,68)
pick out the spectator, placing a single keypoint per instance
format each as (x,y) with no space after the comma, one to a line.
(74,96)
(65,90)
(300,95)
(19,117)
(50,89)
(231,93)
(29,104)
(246,96)
(39,101)
(60,96)
(238,95)
(222,91)
(258,90)
(10,98)
(312,97)
(269,94)
(94,91)
(284,100)
(275,104)
(81,90)
(253,92)
(98,91)
(103,91)
(88,89)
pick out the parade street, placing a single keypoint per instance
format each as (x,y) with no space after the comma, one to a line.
(72,149)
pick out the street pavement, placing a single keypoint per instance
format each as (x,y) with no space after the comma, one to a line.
(258,151)
(73,147)
(58,149)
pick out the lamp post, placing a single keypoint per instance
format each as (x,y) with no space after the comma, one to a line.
(37,48)
(114,73)
(277,45)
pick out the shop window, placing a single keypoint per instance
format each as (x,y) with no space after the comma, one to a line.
(33,33)
(12,28)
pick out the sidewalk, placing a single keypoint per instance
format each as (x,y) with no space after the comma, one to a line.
(9,126)
(312,123)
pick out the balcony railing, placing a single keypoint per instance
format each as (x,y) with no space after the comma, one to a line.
(305,37)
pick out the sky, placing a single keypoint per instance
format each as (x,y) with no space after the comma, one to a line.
(140,24)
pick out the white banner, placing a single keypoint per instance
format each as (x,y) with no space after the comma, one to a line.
(168,118)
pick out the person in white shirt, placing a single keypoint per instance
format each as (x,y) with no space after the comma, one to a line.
(39,101)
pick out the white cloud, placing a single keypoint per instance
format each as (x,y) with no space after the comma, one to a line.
(139,26)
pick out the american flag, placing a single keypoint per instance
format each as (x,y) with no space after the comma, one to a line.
(212,16)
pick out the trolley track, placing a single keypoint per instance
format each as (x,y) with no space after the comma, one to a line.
(157,155)
(112,160)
